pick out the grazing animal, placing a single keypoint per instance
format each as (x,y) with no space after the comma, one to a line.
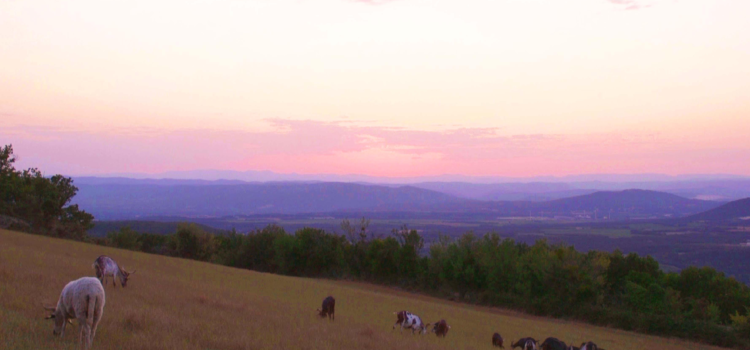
(527,343)
(328,309)
(553,344)
(409,321)
(105,267)
(440,328)
(82,299)
(589,346)
(497,340)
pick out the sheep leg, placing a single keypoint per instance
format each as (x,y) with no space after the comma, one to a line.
(84,335)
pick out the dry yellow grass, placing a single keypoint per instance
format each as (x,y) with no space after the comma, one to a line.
(181,304)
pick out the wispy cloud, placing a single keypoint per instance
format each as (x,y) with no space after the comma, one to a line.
(372,2)
(630,4)
(308,146)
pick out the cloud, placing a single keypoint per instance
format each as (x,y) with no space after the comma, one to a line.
(372,2)
(630,4)
(309,146)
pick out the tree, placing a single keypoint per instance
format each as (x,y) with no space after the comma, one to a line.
(40,201)
(356,233)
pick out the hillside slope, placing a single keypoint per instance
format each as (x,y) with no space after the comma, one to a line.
(733,212)
(182,304)
(630,203)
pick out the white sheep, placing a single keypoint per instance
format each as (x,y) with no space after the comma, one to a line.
(82,299)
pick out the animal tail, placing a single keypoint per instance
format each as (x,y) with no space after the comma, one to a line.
(90,308)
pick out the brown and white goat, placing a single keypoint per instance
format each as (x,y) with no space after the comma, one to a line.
(590,346)
(106,266)
(527,343)
(82,299)
(408,320)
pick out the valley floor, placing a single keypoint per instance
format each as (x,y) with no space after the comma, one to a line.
(182,304)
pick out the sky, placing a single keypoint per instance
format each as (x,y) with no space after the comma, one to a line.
(395,88)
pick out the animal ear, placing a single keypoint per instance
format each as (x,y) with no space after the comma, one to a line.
(48,308)
(132,272)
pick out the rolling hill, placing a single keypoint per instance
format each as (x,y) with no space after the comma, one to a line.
(183,304)
(629,203)
(514,191)
(733,212)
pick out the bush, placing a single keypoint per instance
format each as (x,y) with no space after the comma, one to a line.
(125,238)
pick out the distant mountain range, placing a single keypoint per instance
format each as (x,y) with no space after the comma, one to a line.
(110,199)
(120,201)
(707,187)
(266,176)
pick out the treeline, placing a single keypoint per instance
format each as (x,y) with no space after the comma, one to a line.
(31,202)
(610,289)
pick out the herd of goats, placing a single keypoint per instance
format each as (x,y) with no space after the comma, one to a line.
(83,299)
(408,320)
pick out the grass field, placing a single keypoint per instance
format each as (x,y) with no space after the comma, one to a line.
(181,304)
(583,230)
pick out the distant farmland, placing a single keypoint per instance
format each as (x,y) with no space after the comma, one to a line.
(182,304)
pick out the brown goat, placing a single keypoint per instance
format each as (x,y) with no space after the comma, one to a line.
(440,328)
(328,309)
(497,340)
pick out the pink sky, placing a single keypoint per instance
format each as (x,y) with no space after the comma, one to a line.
(387,88)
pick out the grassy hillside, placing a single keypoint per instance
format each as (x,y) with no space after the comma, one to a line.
(182,304)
